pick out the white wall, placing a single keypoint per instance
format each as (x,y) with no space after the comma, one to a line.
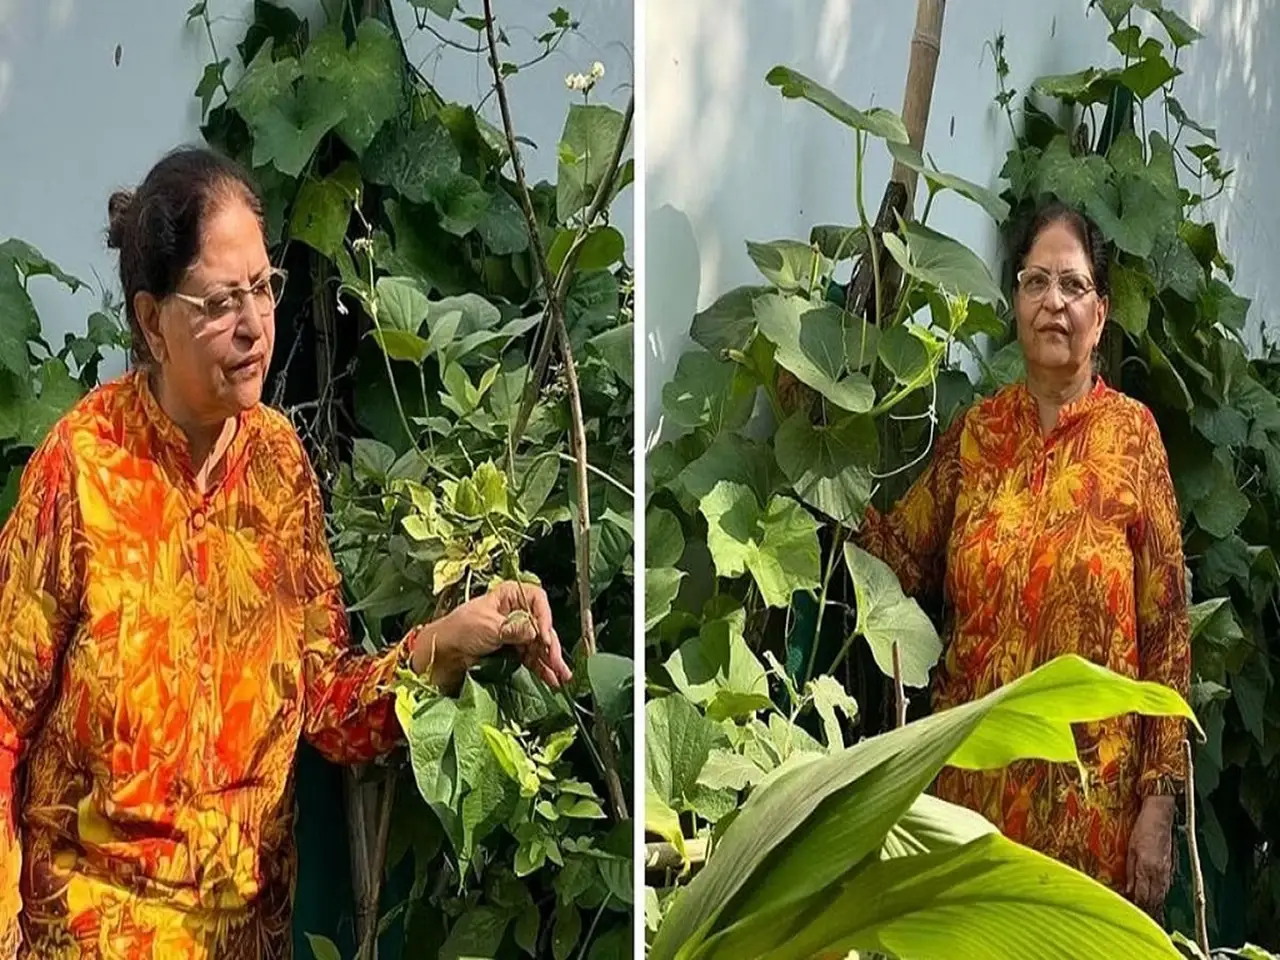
(74,126)
(727,159)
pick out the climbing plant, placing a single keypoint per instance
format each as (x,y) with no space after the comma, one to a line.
(1116,141)
(455,349)
(459,361)
(759,600)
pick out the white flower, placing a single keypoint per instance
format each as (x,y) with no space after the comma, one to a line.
(597,70)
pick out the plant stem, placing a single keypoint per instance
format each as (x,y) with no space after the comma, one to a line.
(899,694)
(369,939)
(1197,876)
(578,433)
(822,602)
(860,155)
(558,291)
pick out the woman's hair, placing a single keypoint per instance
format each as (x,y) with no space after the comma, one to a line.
(157,227)
(1085,230)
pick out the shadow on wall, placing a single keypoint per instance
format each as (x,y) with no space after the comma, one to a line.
(722,165)
(1230,83)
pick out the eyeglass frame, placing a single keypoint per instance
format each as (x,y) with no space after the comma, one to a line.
(1056,281)
(239,293)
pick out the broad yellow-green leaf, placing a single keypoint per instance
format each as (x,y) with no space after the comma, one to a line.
(940,261)
(830,466)
(814,824)
(997,208)
(777,545)
(887,616)
(718,669)
(877,121)
(660,819)
(813,343)
(990,899)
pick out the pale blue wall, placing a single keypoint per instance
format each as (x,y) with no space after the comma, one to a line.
(727,159)
(74,126)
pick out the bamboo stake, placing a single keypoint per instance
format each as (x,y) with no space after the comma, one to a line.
(578,437)
(1193,846)
(899,192)
(922,68)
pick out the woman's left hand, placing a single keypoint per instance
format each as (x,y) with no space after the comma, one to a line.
(1150,866)
(510,614)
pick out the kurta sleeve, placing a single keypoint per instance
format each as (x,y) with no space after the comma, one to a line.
(1160,590)
(912,537)
(40,581)
(349,711)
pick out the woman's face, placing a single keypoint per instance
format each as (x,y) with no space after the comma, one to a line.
(214,361)
(1060,314)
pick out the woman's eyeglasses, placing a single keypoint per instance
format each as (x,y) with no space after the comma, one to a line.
(266,294)
(1037,283)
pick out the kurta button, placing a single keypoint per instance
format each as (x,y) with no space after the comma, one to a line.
(202,593)
(197,520)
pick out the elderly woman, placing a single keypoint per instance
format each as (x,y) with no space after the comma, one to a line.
(1047,522)
(173,620)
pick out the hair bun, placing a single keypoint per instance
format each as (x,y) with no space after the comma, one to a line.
(118,208)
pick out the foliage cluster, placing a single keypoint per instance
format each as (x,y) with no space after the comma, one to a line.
(758,599)
(414,355)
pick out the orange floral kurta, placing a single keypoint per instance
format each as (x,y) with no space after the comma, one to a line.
(161,652)
(1042,546)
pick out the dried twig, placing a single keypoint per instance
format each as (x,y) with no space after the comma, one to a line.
(578,433)
(369,937)
(899,693)
(1197,876)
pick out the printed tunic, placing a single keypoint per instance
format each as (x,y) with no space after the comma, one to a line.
(161,652)
(1040,546)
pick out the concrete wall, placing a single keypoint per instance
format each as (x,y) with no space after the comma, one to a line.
(75,125)
(727,159)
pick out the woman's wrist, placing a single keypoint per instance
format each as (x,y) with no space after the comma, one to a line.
(433,656)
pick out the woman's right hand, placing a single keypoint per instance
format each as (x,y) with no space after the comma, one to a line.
(510,614)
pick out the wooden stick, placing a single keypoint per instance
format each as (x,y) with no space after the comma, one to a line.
(578,434)
(922,68)
(662,856)
(369,942)
(899,692)
(1197,875)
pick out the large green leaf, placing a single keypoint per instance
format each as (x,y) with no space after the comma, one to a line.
(18,321)
(777,545)
(661,587)
(32,263)
(940,261)
(877,121)
(807,829)
(1131,293)
(587,143)
(663,538)
(288,130)
(367,76)
(886,616)
(830,466)
(717,669)
(59,391)
(729,322)
(812,343)
(789,265)
(705,392)
(424,166)
(997,208)
(988,900)
(677,742)
(322,210)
